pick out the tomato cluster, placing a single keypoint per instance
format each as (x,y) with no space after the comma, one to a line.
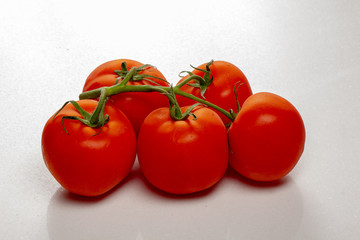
(178,155)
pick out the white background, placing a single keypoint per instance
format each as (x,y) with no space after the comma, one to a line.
(306,51)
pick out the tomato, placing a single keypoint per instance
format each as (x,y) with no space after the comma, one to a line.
(186,156)
(221,91)
(266,138)
(89,161)
(135,105)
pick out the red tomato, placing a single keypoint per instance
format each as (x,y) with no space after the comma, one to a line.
(221,91)
(186,156)
(135,105)
(267,138)
(85,164)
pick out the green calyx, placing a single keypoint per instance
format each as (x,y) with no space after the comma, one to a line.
(96,119)
(175,110)
(200,82)
(135,75)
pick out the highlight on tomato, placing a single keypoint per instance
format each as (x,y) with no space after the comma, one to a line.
(85,160)
(135,105)
(183,156)
(221,78)
(267,138)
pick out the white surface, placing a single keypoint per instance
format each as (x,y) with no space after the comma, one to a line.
(306,51)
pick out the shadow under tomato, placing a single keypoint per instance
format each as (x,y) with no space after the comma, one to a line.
(237,209)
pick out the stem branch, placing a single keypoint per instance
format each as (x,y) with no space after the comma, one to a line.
(94,119)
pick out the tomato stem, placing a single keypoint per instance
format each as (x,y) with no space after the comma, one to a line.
(128,76)
(117,89)
(169,92)
(97,117)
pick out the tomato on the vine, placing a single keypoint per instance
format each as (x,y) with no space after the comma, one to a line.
(225,77)
(185,156)
(84,160)
(135,105)
(267,138)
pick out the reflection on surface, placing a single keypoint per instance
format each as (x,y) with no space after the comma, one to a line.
(234,209)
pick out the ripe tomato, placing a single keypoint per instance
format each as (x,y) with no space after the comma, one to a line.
(186,156)
(85,164)
(221,91)
(267,138)
(135,105)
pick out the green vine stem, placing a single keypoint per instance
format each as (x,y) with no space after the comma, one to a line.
(97,119)
(120,88)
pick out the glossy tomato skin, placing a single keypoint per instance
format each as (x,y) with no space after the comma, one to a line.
(135,105)
(182,157)
(267,138)
(85,164)
(221,91)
